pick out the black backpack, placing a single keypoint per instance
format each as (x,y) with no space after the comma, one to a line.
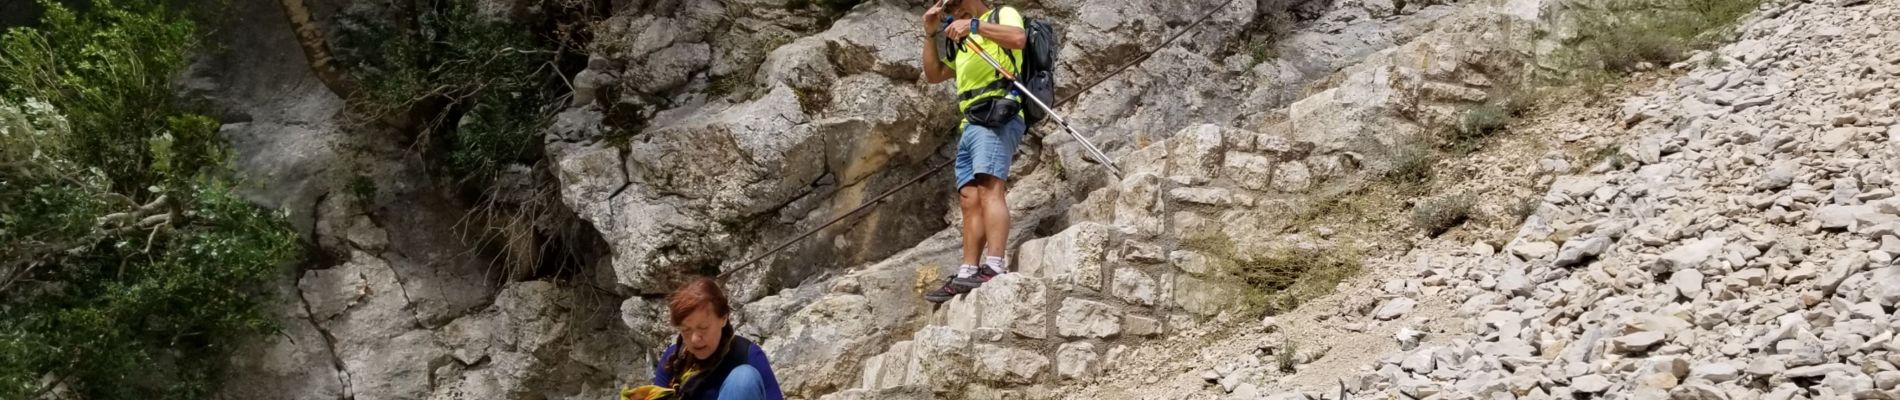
(1038,65)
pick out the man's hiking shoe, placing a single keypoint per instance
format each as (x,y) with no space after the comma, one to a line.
(957,286)
(951,289)
(982,276)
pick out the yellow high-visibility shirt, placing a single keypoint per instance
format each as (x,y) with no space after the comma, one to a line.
(973,73)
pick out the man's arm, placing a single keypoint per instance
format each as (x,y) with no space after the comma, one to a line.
(1009,37)
(934,69)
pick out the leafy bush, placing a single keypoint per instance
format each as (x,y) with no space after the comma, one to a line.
(1618,36)
(491,79)
(1435,216)
(1477,124)
(1508,100)
(1412,166)
(1525,207)
(130,267)
(1260,38)
(1288,277)
(1278,279)
(97,68)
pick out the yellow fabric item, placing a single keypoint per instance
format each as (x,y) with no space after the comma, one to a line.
(651,392)
(972,72)
(645,392)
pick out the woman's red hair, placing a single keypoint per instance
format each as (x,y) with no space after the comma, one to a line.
(696,294)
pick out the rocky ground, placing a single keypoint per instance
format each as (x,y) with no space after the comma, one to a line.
(1738,247)
(1737,244)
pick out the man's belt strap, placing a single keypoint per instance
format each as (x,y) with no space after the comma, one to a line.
(999,84)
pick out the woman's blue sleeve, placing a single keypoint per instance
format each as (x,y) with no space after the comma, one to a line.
(660,378)
(758,361)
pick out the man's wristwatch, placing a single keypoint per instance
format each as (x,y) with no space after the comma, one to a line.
(974,23)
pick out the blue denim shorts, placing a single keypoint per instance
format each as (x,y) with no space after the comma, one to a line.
(986,151)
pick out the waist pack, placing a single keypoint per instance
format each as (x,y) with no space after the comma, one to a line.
(994,112)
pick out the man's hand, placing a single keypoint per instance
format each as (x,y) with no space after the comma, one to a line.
(932,18)
(957,29)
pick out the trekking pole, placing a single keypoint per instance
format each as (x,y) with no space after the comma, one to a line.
(1097,152)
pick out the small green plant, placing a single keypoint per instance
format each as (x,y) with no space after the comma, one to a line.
(1481,122)
(1715,61)
(1412,166)
(1260,39)
(362,189)
(726,85)
(1262,48)
(1055,164)
(1287,357)
(623,122)
(1525,207)
(1476,125)
(1437,215)
(1611,155)
(814,101)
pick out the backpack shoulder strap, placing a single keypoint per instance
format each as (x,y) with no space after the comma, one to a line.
(995,16)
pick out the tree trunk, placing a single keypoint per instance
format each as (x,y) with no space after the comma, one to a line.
(316,50)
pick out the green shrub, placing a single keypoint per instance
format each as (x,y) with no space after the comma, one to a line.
(1260,38)
(1525,207)
(130,268)
(1285,357)
(97,67)
(1435,216)
(1618,36)
(1262,48)
(1612,156)
(1477,124)
(1281,279)
(493,77)
(362,189)
(1412,166)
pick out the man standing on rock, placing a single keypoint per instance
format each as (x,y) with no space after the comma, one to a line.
(991,128)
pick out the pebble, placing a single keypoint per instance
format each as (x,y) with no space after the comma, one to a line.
(1590,384)
(1395,308)
(1715,372)
(1766,366)
(1408,338)
(1637,342)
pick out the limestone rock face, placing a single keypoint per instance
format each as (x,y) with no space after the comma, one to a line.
(826,122)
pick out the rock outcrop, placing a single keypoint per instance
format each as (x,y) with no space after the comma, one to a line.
(828,121)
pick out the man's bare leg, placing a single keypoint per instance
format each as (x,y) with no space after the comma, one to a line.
(970,199)
(995,205)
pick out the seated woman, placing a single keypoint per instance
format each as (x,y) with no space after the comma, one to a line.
(715,363)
